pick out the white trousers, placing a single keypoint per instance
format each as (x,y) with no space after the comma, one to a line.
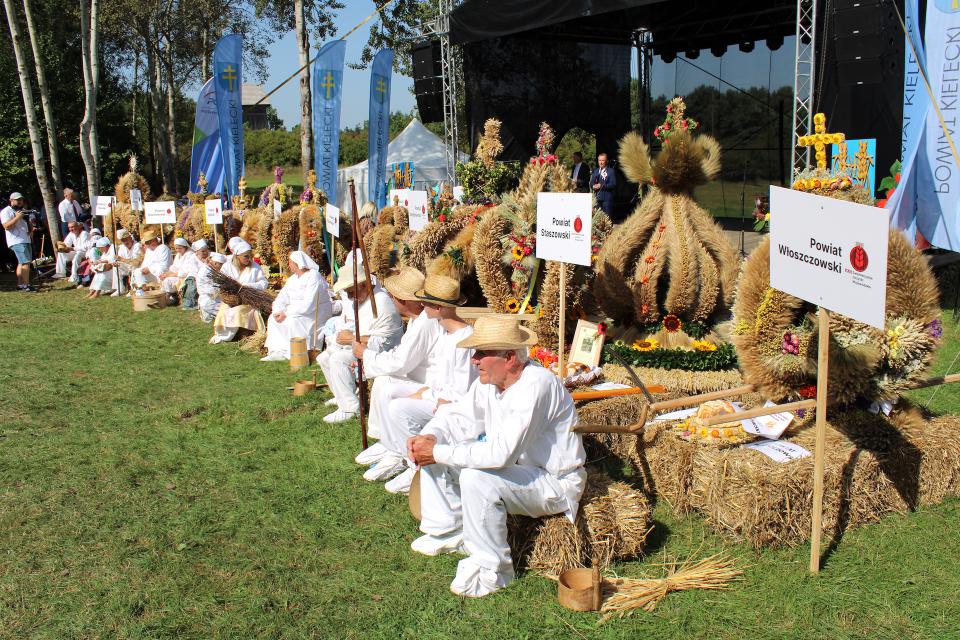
(63,259)
(404,419)
(476,502)
(280,333)
(209,305)
(75,265)
(138,279)
(335,362)
(385,389)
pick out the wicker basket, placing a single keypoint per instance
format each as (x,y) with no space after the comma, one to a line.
(149,300)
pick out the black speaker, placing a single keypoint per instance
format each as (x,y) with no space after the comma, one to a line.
(427,85)
(430,107)
(426,59)
(854,72)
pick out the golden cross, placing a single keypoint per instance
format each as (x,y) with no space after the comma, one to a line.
(202,182)
(381,88)
(328,83)
(819,139)
(312,180)
(229,74)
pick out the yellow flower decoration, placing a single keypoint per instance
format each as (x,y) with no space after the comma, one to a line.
(512,305)
(517,253)
(646,345)
(893,339)
(704,345)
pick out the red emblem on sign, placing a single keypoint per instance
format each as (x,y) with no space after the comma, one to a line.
(858,258)
(578,225)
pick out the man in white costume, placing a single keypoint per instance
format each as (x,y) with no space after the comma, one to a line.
(129,256)
(400,371)
(299,310)
(156,261)
(528,461)
(209,300)
(445,383)
(380,333)
(248,273)
(181,278)
(73,244)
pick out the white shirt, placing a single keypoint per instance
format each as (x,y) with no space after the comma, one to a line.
(157,261)
(528,424)
(75,241)
(20,232)
(384,331)
(576,171)
(301,294)
(185,264)
(412,357)
(251,276)
(69,210)
(205,286)
(130,254)
(451,378)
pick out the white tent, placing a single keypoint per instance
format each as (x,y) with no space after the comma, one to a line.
(415,144)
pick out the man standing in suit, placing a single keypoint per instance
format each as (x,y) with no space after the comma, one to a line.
(580,174)
(604,183)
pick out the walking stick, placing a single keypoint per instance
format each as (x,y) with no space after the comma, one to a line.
(361,386)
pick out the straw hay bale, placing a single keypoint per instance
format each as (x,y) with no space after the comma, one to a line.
(613,522)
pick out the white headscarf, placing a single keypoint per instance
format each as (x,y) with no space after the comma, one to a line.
(181,242)
(232,243)
(199,244)
(217,257)
(241,246)
(103,242)
(95,232)
(302,260)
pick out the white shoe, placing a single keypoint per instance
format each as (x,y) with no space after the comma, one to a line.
(115,294)
(273,356)
(433,546)
(58,276)
(332,402)
(474,581)
(339,416)
(389,466)
(401,484)
(371,455)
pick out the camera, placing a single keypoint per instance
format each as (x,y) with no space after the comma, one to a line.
(32,216)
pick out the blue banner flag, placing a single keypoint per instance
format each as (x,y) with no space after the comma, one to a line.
(228,80)
(205,157)
(380,73)
(327,95)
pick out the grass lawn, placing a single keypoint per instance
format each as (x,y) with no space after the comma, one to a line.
(722,198)
(155,486)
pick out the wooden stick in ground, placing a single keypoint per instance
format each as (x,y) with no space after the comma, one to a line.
(823,355)
(358,244)
(361,385)
(758,412)
(563,322)
(116,252)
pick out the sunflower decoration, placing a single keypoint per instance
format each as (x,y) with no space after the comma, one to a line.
(512,305)
(703,345)
(648,344)
(672,323)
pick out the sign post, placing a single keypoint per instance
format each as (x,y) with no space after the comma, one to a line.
(564,226)
(833,254)
(214,217)
(160,213)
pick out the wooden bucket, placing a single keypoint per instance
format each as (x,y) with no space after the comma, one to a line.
(303,387)
(580,589)
(149,300)
(298,354)
(413,498)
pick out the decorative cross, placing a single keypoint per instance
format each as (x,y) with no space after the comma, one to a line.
(819,139)
(328,83)
(381,88)
(202,183)
(311,180)
(229,74)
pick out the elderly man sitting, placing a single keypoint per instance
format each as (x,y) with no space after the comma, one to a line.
(528,461)
(129,255)
(380,333)
(156,261)
(73,245)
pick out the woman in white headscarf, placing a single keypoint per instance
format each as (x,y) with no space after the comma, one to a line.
(102,265)
(302,306)
(209,300)
(248,273)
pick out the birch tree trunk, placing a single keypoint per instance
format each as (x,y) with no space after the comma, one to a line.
(133,93)
(52,145)
(33,126)
(204,55)
(95,86)
(172,123)
(89,163)
(306,112)
(157,110)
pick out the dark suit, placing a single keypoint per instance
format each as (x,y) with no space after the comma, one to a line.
(607,187)
(581,178)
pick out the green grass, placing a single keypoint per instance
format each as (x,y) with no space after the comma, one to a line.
(722,198)
(259,177)
(155,486)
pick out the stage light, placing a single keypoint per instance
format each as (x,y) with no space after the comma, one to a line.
(774,42)
(668,56)
(692,54)
(746,47)
(718,49)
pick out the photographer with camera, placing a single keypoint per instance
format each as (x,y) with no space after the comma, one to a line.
(17,224)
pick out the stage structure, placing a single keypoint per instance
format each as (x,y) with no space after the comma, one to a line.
(439,29)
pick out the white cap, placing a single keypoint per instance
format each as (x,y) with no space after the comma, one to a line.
(232,242)
(181,242)
(103,242)
(199,244)
(241,247)
(16,195)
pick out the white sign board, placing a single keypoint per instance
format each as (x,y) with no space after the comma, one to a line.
(104,205)
(136,200)
(213,211)
(159,212)
(332,220)
(277,208)
(417,206)
(403,195)
(458,194)
(564,225)
(830,253)
(779,450)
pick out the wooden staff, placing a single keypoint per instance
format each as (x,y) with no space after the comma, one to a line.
(823,359)
(361,386)
(116,251)
(561,329)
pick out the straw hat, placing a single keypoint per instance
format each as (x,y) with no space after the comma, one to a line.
(405,284)
(148,236)
(498,332)
(122,234)
(345,280)
(441,290)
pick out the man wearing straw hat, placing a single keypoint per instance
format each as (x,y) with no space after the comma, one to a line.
(446,382)
(156,261)
(505,448)
(402,370)
(129,255)
(379,333)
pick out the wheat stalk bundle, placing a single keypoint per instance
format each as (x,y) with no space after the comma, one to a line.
(260,300)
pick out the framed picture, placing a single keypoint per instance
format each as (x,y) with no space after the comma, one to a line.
(587,344)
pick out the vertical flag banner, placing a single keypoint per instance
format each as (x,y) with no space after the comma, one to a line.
(938,176)
(205,156)
(327,98)
(902,205)
(380,73)
(228,79)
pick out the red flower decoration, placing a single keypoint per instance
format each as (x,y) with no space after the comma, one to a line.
(644,308)
(808,391)
(442,218)
(649,259)
(672,323)
(662,228)
(602,329)
(644,279)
